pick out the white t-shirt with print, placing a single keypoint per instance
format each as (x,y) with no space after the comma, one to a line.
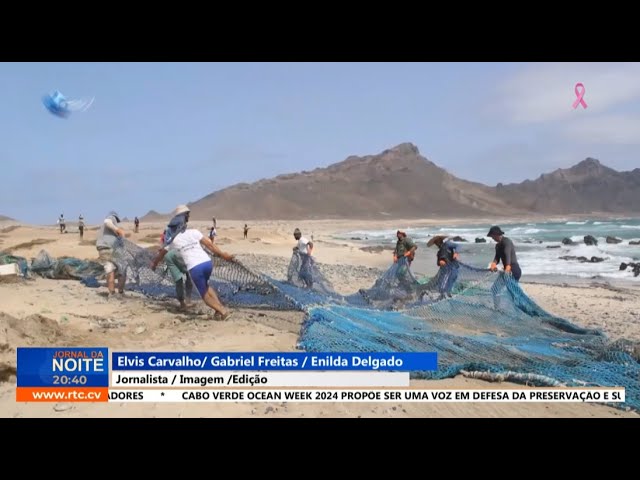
(302,245)
(188,244)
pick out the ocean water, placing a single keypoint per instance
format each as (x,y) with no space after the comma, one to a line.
(531,240)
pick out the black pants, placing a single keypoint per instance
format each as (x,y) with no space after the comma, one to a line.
(516,272)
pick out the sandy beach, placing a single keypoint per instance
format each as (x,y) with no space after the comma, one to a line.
(43,312)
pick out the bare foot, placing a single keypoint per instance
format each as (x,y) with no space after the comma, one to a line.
(224,317)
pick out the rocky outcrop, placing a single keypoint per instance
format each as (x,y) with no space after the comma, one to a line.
(590,240)
(583,259)
(635,268)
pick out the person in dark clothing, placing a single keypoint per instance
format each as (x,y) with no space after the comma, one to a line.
(505,252)
(405,247)
(136,222)
(81,226)
(447,259)
(246,231)
(403,255)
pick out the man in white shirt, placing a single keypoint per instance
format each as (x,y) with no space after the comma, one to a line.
(190,243)
(304,248)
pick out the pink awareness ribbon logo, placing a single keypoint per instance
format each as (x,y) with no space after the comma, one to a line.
(580,95)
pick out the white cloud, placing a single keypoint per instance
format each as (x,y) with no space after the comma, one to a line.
(542,93)
(605,129)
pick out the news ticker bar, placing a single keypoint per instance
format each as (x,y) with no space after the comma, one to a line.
(120,379)
(89,394)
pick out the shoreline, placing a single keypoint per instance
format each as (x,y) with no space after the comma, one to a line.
(423,221)
(271,238)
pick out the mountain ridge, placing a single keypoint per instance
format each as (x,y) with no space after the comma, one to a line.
(400,182)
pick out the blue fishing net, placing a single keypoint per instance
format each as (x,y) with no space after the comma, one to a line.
(481,324)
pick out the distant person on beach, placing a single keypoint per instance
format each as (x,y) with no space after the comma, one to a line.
(109,237)
(304,248)
(246,231)
(191,245)
(136,222)
(505,252)
(62,223)
(447,259)
(81,226)
(213,232)
(405,247)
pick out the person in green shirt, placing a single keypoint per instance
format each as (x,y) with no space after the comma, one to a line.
(405,247)
(178,270)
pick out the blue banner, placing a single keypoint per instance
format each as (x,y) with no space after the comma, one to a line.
(399,362)
(63,367)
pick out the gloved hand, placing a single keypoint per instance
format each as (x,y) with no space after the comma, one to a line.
(442,263)
(493,267)
(507,269)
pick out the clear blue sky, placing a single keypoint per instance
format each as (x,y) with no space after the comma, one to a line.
(159,134)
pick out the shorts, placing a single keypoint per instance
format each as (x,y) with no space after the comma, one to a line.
(177,268)
(105,258)
(200,275)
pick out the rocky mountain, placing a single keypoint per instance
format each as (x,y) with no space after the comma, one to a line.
(586,187)
(153,216)
(400,182)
